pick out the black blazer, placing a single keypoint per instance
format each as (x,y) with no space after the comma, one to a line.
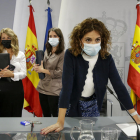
(73,80)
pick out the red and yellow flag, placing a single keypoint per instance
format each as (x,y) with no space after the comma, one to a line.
(134,67)
(31,95)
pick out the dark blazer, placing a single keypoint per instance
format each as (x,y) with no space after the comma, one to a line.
(73,80)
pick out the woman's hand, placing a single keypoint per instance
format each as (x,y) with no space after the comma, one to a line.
(137,119)
(37,68)
(55,127)
(59,125)
(6,72)
(134,115)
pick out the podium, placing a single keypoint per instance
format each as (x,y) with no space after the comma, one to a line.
(13,127)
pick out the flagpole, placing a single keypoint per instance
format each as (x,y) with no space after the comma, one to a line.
(49,24)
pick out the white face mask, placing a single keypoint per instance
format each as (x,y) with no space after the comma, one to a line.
(53,41)
(92,49)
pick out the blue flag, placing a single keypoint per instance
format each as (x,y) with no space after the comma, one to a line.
(49,25)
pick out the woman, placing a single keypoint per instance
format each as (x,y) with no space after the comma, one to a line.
(50,87)
(87,67)
(11,93)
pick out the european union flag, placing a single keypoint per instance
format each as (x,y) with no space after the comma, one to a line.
(49,25)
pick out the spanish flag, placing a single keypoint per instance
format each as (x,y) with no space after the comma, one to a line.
(134,67)
(31,95)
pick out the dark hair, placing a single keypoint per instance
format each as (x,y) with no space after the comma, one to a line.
(85,27)
(60,47)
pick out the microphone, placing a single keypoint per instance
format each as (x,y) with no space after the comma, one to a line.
(138,132)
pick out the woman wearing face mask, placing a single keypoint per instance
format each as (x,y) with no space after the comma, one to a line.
(50,87)
(11,93)
(87,68)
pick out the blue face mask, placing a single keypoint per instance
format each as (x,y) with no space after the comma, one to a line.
(92,49)
(53,42)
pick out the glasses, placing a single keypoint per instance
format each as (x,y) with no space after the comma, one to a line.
(109,133)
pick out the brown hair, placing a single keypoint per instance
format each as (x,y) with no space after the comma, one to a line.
(60,47)
(14,40)
(85,27)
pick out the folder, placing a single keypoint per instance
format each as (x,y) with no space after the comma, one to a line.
(39,58)
(4,62)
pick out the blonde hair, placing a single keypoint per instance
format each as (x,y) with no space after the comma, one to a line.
(14,40)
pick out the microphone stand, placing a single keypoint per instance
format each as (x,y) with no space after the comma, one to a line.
(138,132)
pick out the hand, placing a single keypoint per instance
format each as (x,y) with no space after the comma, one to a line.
(55,127)
(37,68)
(6,72)
(4,68)
(137,119)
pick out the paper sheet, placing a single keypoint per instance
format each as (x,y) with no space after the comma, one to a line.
(130,129)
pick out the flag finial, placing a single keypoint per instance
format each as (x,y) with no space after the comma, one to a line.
(30,1)
(48,2)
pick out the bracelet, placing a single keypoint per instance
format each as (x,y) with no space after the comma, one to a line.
(134,113)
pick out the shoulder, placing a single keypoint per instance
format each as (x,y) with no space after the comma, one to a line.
(110,61)
(21,54)
(68,53)
(108,57)
(62,53)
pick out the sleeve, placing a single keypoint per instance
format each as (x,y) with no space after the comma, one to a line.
(67,81)
(118,86)
(57,73)
(22,73)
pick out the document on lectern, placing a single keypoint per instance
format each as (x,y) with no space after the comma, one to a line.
(129,129)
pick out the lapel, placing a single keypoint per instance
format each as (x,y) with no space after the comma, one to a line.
(50,56)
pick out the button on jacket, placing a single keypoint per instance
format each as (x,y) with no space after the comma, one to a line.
(52,84)
(73,80)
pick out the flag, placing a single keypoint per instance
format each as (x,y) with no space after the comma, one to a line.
(31,95)
(134,67)
(49,25)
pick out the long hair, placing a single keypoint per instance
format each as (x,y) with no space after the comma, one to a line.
(14,40)
(85,27)
(60,47)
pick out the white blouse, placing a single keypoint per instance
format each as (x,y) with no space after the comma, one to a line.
(88,88)
(19,62)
